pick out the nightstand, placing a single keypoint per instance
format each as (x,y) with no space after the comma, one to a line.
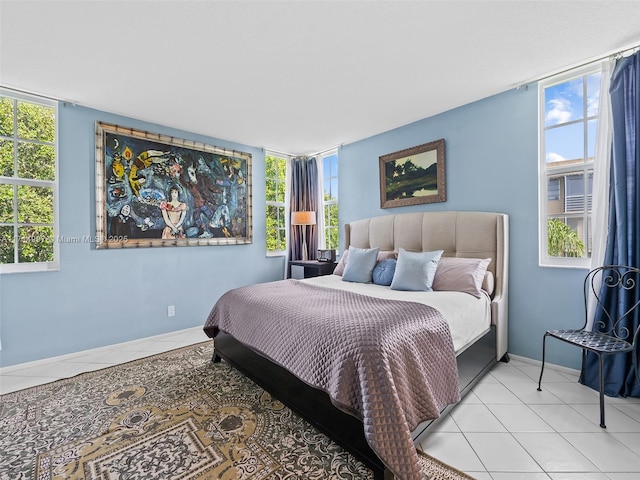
(310,268)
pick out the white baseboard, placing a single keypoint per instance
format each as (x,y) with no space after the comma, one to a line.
(553,366)
(19,366)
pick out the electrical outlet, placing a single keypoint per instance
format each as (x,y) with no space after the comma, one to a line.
(171,311)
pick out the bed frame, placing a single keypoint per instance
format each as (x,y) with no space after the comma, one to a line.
(459,234)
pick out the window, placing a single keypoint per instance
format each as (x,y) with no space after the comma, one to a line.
(553,191)
(276,212)
(330,201)
(275,178)
(568,125)
(28,184)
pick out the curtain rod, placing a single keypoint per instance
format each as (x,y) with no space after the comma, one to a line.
(35,94)
(611,56)
(326,150)
(265,150)
(27,92)
(48,97)
(298,155)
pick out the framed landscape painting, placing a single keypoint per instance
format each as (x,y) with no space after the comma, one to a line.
(413,176)
(156,190)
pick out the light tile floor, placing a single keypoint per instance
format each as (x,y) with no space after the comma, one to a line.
(17,377)
(504,429)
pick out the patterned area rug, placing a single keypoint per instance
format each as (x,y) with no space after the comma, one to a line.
(170,416)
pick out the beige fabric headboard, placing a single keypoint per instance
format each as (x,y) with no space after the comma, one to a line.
(458,233)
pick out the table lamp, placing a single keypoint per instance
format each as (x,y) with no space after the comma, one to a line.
(303,218)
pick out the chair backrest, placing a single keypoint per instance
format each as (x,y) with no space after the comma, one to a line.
(616,290)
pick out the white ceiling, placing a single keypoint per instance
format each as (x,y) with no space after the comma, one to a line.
(297,76)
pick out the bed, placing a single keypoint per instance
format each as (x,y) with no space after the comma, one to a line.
(357,391)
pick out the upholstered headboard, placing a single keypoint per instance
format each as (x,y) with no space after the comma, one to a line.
(459,234)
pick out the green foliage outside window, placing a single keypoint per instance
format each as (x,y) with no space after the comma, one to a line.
(331,225)
(562,240)
(27,153)
(275,174)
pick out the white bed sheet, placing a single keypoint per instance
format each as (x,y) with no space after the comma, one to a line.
(468,317)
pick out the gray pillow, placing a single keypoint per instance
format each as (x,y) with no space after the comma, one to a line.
(461,275)
(359,268)
(415,270)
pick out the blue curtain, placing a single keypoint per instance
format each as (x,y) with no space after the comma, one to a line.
(623,240)
(304,197)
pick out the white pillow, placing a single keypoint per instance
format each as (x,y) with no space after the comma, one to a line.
(415,270)
(360,266)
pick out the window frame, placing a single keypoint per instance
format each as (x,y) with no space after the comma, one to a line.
(25,267)
(333,201)
(275,203)
(545,173)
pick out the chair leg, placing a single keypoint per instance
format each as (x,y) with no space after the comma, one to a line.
(635,365)
(600,364)
(544,347)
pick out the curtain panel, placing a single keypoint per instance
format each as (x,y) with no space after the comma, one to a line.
(304,198)
(601,179)
(623,239)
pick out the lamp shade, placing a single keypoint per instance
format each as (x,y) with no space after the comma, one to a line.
(303,218)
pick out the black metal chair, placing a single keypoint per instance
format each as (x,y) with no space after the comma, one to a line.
(613,336)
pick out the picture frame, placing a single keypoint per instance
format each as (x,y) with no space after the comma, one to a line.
(156,190)
(413,176)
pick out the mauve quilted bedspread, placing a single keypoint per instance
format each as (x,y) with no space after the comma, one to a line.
(391,363)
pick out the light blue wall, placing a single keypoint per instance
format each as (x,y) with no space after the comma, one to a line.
(101,297)
(491,151)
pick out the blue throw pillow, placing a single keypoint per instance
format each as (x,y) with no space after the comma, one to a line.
(359,268)
(415,270)
(383,272)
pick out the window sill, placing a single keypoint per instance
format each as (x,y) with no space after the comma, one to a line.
(29,267)
(565,263)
